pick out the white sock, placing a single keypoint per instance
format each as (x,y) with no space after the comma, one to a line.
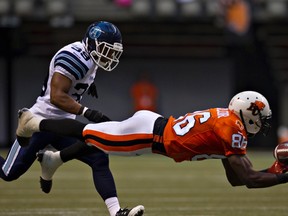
(113,205)
(51,163)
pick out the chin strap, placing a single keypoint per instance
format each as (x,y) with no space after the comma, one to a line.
(242,119)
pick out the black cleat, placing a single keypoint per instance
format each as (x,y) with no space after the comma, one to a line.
(45,185)
(136,211)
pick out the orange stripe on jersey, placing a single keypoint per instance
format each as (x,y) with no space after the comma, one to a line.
(118,143)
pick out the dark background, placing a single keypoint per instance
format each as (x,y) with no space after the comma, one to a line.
(195,62)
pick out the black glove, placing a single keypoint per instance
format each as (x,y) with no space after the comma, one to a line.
(92,90)
(95,116)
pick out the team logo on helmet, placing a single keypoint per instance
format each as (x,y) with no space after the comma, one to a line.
(256,107)
(95,32)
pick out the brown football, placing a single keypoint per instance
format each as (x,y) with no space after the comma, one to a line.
(281,152)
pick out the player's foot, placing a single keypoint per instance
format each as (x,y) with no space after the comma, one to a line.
(27,123)
(136,211)
(50,160)
(46,185)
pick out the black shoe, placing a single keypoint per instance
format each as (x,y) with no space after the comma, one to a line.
(45,185)
(136,211)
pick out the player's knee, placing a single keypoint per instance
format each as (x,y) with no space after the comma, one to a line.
(102,162)
(9,178)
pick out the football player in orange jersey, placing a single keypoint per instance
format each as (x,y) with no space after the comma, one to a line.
(216,133)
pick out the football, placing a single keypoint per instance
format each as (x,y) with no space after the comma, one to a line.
(281,152)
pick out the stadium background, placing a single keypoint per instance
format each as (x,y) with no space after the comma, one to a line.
(184,45)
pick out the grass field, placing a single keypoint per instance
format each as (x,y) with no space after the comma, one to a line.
(162,186)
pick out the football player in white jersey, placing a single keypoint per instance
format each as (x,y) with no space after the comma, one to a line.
(72,72)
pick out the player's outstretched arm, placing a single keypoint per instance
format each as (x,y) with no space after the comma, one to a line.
(242,168)
(232,177)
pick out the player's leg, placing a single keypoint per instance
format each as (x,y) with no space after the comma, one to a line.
(130,137)
(76,150)
(105,185)
(102,176)
(19,159)
(64,127)
(51,160)
(13,166)
(28,123)
(135,134)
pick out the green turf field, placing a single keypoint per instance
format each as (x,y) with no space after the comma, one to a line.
(162,186)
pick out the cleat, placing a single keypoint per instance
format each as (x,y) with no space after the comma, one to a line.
(136,211)
(50,160)
(46,185)
(27,123)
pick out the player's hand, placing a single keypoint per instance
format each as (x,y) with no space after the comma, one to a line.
(95,116)
(278,168)
(92,90)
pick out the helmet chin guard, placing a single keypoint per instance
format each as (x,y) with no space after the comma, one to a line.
(254,111)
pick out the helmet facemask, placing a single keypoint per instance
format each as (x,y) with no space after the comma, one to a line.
(106,55)
(264,123)
(261,124)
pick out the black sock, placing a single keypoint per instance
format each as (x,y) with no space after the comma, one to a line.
(77,150)
(65,127)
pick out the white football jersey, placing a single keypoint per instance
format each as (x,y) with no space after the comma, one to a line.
(75,63)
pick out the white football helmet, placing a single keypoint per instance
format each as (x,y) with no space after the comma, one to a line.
(253,109)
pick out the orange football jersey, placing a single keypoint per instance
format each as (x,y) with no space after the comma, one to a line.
(213,133)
